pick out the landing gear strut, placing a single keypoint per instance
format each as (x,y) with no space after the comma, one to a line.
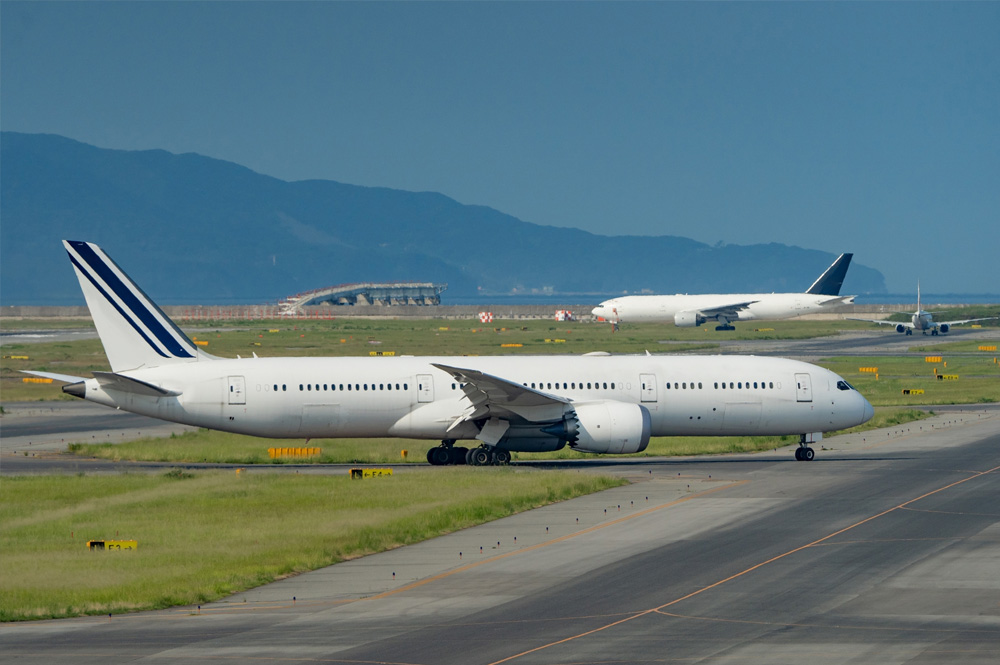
(446,453)
(804,453)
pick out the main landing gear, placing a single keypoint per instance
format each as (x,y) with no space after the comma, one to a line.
(804,453)
(448,453)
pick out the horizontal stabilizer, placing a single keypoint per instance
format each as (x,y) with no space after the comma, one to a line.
(57,377)
(126,384)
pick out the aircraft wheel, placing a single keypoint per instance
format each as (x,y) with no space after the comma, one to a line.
(478,457)
(808,454)
(439,456)
(502,457)
(798,454)
(430,455)
(458,454)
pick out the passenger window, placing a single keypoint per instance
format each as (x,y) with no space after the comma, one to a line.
(770,385)
(699,385)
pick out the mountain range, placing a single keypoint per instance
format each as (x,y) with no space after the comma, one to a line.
(197,230)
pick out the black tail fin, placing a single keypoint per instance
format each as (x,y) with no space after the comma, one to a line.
(829,282)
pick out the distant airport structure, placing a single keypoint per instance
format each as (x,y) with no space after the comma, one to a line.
(367,293)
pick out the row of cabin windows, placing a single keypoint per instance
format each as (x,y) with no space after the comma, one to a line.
(343,386)
(571,386)
(732,385)
(682,385)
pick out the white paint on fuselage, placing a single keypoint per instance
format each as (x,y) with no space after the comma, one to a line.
(383,399)
(663,309)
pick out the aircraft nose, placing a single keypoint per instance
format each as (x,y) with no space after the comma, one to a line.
(868,411)
(600,311)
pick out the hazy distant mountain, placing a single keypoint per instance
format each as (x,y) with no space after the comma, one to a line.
(191,229)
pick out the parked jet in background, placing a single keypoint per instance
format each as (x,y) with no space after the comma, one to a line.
(922,320)
(597,403)
(689,311)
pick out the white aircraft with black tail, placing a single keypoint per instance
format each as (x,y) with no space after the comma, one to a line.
(923,321)
(689,311)
(597,403)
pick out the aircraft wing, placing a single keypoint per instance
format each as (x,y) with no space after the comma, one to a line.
(958,323)
(729,310)
(882,322)
(495,397)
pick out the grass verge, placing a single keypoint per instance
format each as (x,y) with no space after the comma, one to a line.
(207,535)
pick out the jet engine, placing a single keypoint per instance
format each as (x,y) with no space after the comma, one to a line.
(688,319)
(605,427)
(900,328)
(944,327)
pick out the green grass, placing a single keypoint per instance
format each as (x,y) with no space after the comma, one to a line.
(204,536)
(978,382)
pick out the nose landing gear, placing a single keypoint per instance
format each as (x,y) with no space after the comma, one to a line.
(804,453)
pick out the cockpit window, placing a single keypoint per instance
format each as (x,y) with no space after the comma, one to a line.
(844,385)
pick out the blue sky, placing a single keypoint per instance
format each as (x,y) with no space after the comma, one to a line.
(864,127)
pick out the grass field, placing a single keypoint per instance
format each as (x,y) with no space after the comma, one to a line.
(204,536)
(978,377)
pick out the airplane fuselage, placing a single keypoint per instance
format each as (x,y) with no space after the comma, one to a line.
(665,309)
(409,397)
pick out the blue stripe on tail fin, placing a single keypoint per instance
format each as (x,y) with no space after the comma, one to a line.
(134,331)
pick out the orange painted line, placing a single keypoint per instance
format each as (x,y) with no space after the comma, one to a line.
(744,572)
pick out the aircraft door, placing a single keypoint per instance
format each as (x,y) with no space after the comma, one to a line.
(803,388)
(425,388)
(237,390)
(647,383)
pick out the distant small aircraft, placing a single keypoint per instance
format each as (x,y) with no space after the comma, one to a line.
(688,311)
(922,320)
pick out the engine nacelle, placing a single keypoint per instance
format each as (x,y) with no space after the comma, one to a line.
(607,427)
(900,328)
(688,319)
(944,327)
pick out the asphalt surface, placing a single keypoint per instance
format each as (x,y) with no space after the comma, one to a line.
(885,549)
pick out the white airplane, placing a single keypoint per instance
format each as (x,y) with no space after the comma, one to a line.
(923,321)
(596,403)
(689,311)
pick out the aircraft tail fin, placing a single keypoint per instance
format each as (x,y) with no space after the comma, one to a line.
(832,279)
(134,331)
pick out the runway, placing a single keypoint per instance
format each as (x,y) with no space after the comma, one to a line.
(885,549)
